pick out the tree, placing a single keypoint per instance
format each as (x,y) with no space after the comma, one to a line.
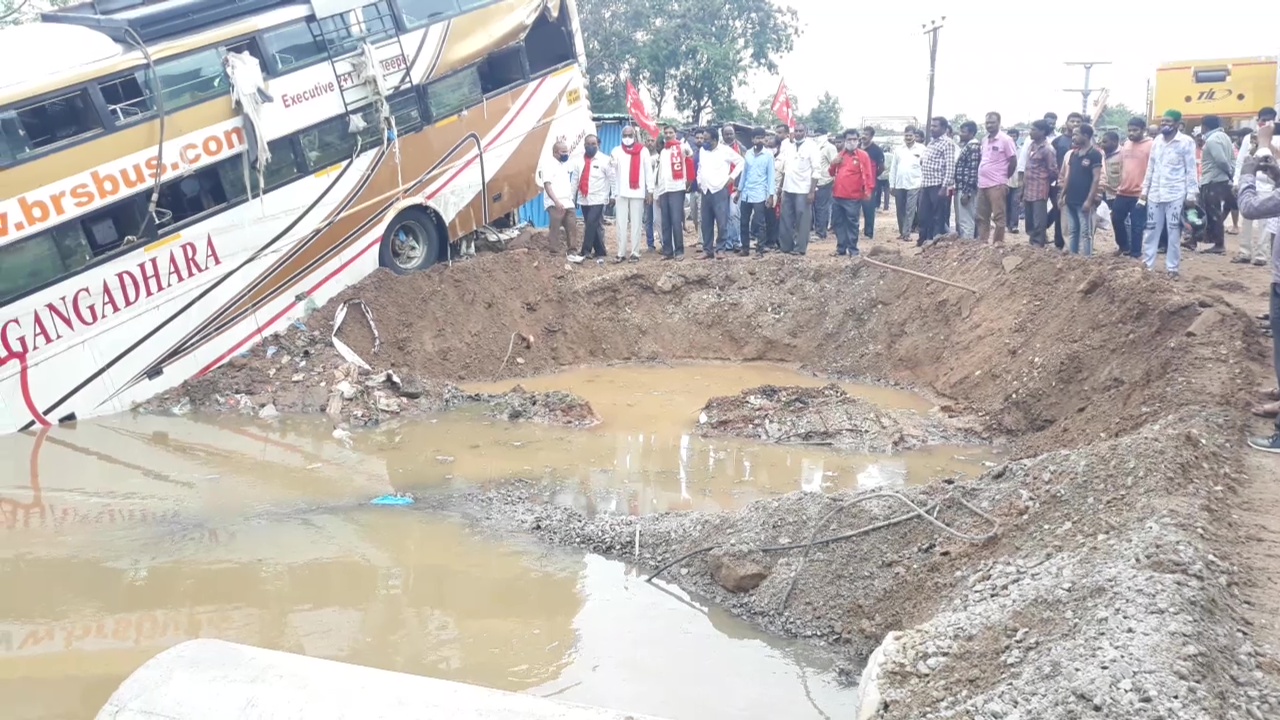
(826,114)
(16,12)
(695,52)
(1118,115)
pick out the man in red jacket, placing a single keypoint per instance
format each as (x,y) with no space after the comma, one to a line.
(855,181)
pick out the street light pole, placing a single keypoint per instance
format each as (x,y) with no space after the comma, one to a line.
(1085,91)
(931,29)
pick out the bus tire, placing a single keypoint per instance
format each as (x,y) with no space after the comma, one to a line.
(411,242)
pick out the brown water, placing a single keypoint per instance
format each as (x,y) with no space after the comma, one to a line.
(123,537)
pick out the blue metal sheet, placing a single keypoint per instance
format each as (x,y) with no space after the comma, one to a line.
(534,212)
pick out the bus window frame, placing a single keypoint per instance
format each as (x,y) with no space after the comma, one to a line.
(105,124)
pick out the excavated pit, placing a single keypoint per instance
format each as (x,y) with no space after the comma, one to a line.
(1114,585)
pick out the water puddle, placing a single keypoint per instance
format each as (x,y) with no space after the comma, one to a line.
(122,537)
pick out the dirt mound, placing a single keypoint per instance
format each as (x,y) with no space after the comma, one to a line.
(1111,589)
(550,408)
(820,416)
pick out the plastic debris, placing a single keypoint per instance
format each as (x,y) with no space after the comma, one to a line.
(272,350)
(347,353)
(392,499)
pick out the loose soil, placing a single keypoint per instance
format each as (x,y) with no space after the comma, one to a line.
(1132,574)
(825,416)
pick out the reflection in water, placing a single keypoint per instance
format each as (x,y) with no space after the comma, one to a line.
(262,534)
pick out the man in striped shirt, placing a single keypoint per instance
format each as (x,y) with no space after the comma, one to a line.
(937,175)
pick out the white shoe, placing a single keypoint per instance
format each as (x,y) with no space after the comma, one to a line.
(575,259)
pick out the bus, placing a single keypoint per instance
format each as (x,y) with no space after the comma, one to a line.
(1234,89)
(150,229)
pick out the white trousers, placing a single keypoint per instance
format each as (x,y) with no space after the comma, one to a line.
(629,220)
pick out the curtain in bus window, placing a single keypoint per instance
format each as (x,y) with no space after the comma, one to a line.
(292,46)
(192,79)
(35,261)
(455,93)
(424,12)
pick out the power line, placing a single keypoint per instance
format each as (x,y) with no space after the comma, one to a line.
(931,29)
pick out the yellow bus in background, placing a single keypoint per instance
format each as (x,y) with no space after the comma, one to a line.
(1233,89)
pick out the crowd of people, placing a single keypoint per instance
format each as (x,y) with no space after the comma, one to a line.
(1160,188)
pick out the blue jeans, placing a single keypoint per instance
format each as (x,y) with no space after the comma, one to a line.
(869,216)
(1079,229)
(733,233)
(715,219)
(1129,219)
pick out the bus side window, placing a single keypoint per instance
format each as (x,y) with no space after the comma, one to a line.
(128,98)
(327,144)
(197,77)
(30,263)
(454,93)
(282,168)
(48,122)
(418,13)
(502,69)
(107,229)
(549,44)
(291,46)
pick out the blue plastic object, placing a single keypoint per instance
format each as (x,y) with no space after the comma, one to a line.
(391,500)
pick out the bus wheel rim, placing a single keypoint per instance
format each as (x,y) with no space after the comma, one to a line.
(408,244)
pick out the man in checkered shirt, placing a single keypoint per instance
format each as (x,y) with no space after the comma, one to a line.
(938,175)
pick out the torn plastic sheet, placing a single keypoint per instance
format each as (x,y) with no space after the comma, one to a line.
(346,352)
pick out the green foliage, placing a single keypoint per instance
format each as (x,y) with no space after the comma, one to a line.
(16,12)
(694,52)
(826,114)
(1118,115)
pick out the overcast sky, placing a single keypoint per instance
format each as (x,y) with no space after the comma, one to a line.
(994,57)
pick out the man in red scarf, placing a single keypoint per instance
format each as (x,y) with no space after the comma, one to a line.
(591,182)
(854,183)
(633,185)
(675,174)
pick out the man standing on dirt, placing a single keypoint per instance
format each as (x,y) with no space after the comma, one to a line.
(798,190)
(1256,205)
(594,176)
(1169,186)
(718,166)
(1039,174)
(937,180)
(554,178)
(758,191)
(876,153)
(1128,216)
(904,181)
(1217,165)
(1081,177)
(853,184)
(828,151)
(632,188)
(1061,146)
(967,181)
(999,163)
(672,182)
(733,238)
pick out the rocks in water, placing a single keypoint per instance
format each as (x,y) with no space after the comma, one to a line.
(551,408)
(737,570)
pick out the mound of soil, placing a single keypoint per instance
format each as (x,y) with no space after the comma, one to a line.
(551,408)
(1116,586)
(819,416)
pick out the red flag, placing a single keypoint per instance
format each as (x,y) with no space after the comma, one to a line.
(782,105)
(635,108)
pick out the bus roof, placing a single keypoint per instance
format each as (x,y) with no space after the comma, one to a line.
(1189,64)
(44,57)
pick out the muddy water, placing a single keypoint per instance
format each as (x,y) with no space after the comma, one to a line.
(123,537)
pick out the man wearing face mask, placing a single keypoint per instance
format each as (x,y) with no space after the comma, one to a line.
(757,193)
(854,183)
(632,186)
(798,189)
(718,166)
(553,177)
(594,180)
(1169,186)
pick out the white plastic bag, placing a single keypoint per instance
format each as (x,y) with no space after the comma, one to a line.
(1102,217)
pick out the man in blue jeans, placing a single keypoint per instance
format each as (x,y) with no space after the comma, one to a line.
(718,166)
(1128,216)
(757,192)
(1170,186)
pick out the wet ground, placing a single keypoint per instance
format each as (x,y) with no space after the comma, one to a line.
(126,536)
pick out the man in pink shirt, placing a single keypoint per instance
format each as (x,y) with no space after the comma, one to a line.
(999,163)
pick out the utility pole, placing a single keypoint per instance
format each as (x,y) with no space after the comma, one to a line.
(1085,91)
(931,29)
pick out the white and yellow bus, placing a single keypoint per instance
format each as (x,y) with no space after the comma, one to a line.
(139,243)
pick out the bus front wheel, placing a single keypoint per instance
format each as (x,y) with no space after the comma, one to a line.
(411,242)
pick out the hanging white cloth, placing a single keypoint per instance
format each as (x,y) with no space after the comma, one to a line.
(249,93)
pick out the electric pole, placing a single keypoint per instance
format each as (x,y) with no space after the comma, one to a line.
(1085,91)
(931,29)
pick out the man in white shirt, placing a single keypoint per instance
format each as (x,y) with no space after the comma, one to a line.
(718,165)
(799,176)
(905,179)
(670,185)
(1170,185)
(593,182)
(553,177)
(828,151)
(632,187)
(1252,247)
